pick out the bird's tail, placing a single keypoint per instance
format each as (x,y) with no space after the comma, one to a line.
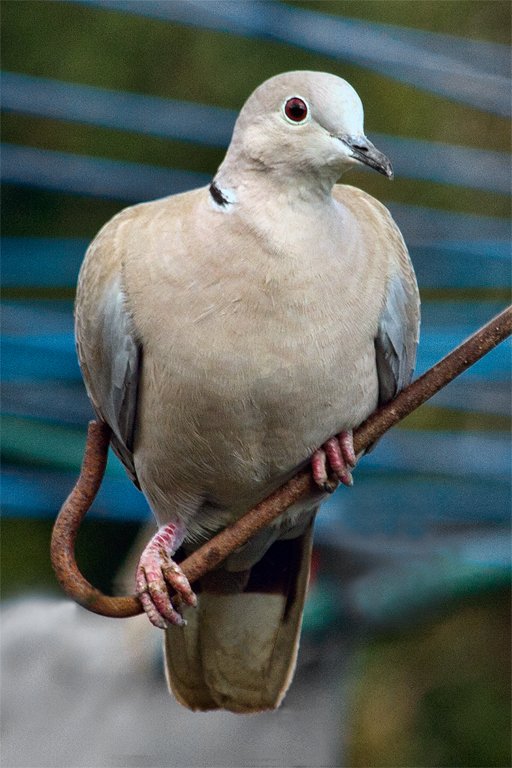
(239,647)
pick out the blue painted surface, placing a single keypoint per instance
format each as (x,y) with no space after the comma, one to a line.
(41,261)
(380,506)
(203,124)
(466,71)
(39,360)
(53,400)
(121,110)
(418,491)
(407,506)
(92,176)
(38,493)
(137,182)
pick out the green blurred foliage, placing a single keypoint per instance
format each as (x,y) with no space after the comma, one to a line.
(28,212)
(25,554)
(474,19)
(433,696)
(436,695)
(114,50)
(451,420)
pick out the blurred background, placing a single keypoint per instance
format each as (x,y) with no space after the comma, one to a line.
(405,657)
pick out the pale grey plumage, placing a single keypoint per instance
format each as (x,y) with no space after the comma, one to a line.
(115,356)
(226,337)
(397,338)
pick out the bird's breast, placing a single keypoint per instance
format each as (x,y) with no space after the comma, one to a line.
(258,384)
(252,359)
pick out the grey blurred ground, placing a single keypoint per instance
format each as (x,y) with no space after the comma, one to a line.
(83,691)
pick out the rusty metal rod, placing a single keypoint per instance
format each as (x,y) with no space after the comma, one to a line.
(233,536)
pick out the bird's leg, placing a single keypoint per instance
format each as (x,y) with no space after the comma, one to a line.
(156,569)
(337,455)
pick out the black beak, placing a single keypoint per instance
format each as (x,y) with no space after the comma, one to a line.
(364,151)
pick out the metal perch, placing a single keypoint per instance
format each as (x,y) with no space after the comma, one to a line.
(234,536)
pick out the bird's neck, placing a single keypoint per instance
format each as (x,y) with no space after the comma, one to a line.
(276,210)
(238,184)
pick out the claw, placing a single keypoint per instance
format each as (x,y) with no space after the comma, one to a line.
(156,569)
(319,468)
(346,440)
(338,455)
(151,611)
(176,579)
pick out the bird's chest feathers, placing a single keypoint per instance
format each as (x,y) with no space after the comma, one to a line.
(265,300)
(260,317)
(270,351)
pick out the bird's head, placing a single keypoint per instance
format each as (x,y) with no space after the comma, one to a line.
(305,123)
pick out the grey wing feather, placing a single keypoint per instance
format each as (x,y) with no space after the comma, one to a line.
(113,389)
(398,333)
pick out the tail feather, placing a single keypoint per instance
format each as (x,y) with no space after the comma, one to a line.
(183,664)
(238,651)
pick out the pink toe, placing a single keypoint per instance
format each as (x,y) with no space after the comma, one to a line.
(346,478)
(333,452)
(160,598)
(150,578)
(319,467)
(346,442)
(177,580)
(151,611)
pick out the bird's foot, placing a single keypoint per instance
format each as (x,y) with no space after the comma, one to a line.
(156,571)
(336,457)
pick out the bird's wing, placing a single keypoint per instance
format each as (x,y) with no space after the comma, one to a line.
(397,336)
(109,353)
(397,333)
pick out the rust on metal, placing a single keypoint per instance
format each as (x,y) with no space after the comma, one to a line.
(233,536)
(66,527)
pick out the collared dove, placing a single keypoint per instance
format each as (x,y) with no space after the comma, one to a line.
(226,335)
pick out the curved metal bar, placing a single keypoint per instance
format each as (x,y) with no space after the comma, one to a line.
(224,543)
(65,530)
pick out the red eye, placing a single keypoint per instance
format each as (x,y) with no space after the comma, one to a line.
(296,110)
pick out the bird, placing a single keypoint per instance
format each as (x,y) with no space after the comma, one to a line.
(229,336)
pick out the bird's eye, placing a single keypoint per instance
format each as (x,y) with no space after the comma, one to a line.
(296,109)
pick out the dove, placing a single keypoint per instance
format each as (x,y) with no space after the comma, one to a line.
(230,336)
